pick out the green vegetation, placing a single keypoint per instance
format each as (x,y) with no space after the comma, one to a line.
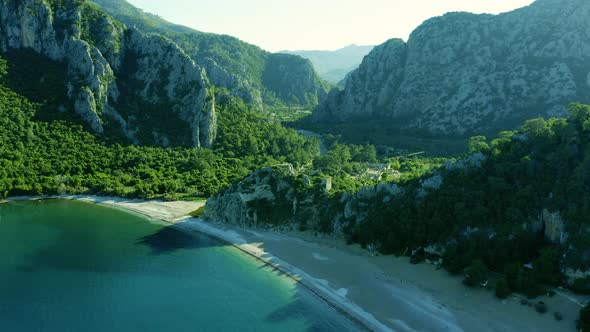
(584,321)
(478,213)
(502,289)
(486,213)
(476,274)
(273,76)
(385,134)
(93,24)
(197,213)
(44,151)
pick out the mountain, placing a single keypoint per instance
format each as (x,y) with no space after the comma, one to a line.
(462,74)
(333,66)
(248,72)
(118,80)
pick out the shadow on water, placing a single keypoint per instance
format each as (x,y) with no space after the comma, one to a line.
(319,317)
(95,254)
(170,239)
(308,307)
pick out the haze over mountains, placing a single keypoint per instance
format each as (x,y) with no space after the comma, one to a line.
(333,66)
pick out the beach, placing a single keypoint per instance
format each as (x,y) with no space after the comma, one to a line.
(383,293)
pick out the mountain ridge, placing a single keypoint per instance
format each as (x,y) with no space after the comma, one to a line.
(230,63)
(164,81)
(463,74)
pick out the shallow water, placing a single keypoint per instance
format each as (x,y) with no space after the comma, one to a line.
(73,266)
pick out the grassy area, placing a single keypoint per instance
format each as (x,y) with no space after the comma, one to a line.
(197,213)
(288,114)
(193,198)
(387,137)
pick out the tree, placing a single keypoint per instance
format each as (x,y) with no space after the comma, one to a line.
(580,115)
(536,127)
(476,274)
(583,323)
(502,289)
(478,144)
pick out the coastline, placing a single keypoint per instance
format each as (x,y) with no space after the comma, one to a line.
(176,213)
(382,293)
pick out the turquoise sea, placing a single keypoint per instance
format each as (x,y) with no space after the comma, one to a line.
(73,266)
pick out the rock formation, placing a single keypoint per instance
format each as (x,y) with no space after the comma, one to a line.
(463,73)
(258,77)
(103,57)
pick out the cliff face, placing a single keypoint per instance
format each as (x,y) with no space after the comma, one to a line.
(258,77)
(293,79)
(104,59)
(265,197)
(463,73)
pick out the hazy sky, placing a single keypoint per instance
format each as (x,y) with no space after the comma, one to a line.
(314,24)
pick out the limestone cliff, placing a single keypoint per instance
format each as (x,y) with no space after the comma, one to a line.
(463,73)
(108,65)
(292,78)
(257,200)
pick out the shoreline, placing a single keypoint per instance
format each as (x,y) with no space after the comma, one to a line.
(178,217)
(381,293)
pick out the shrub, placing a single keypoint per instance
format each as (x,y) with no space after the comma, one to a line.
(583,323)
(502,289)
(476,274)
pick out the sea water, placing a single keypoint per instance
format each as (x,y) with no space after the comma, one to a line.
(73,266)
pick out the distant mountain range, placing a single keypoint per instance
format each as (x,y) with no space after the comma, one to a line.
(462,74)
(333,66)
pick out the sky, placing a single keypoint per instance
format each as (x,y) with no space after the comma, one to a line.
(314,24)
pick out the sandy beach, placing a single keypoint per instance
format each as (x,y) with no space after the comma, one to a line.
(383,293)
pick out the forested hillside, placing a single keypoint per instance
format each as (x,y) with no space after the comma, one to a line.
(248,72)
(521,198)
(44,151)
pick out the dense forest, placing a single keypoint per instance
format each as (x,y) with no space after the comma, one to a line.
(45,151)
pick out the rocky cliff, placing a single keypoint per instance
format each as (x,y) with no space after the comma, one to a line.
(258,77)
(463,73)
(109,65)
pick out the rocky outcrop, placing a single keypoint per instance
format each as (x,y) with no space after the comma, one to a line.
(169,79)
(554,227)
(256,199)
(463,73)
(108,65)
(474,160)
(237,85)
(276,196)
(293,79)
